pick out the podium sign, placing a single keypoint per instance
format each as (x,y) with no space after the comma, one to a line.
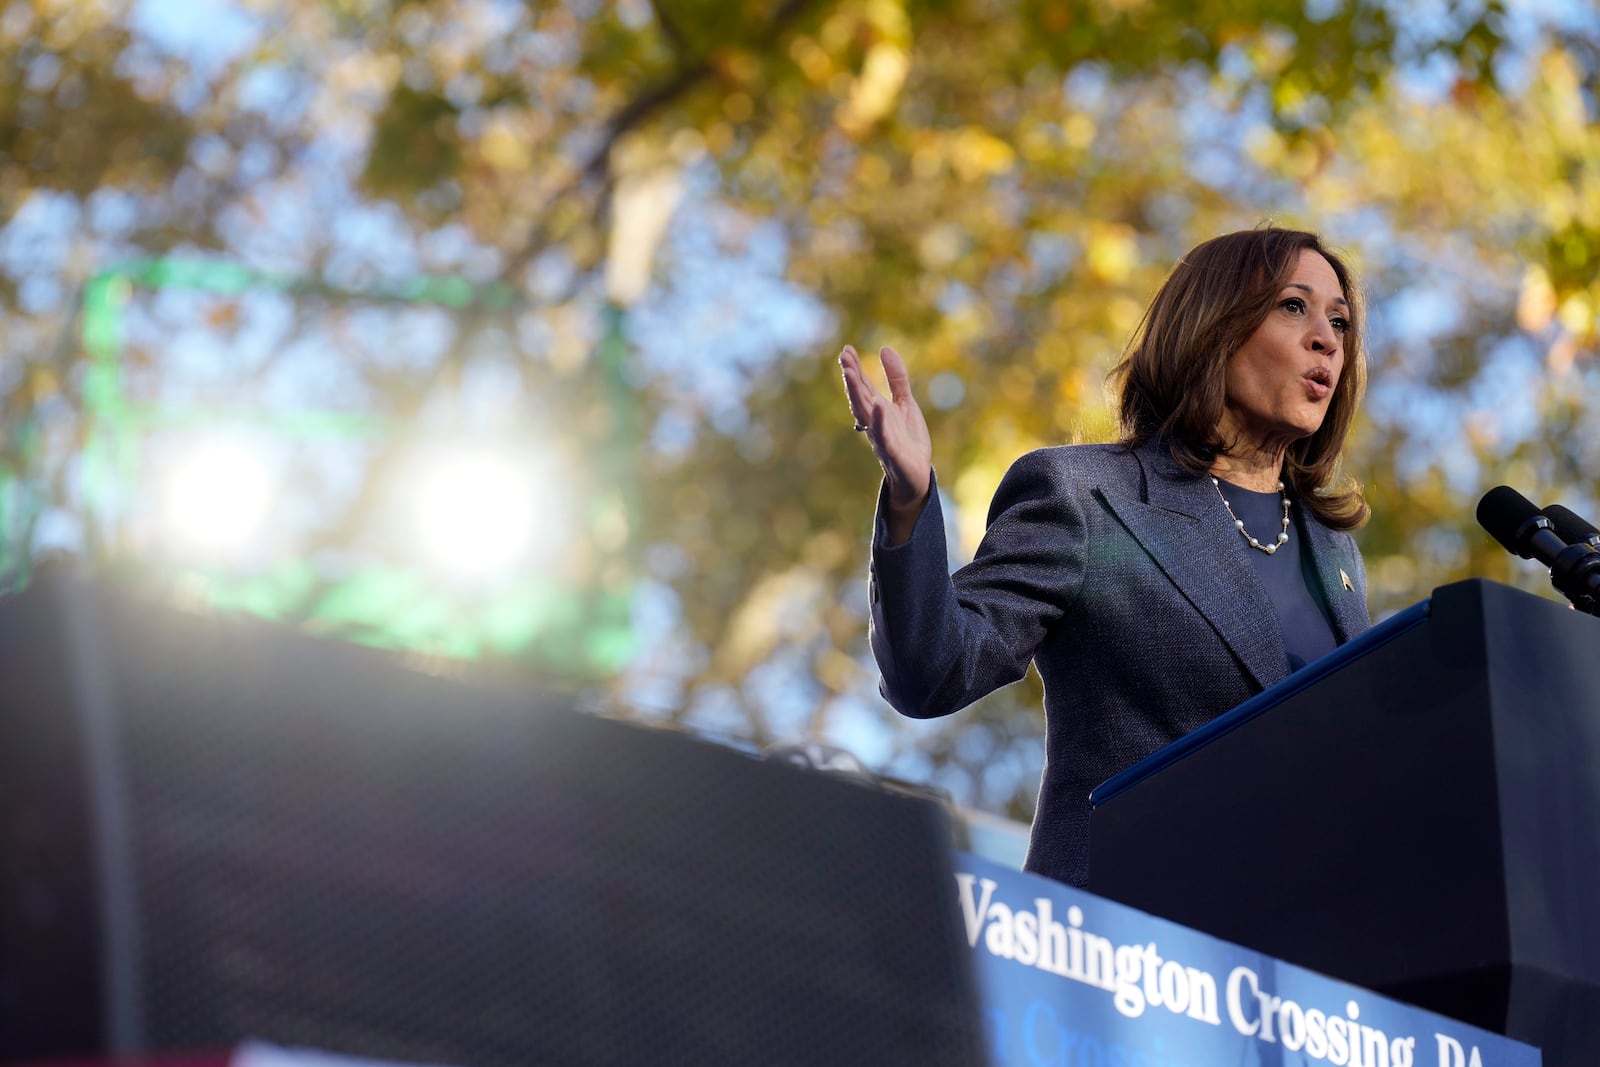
(1067,978)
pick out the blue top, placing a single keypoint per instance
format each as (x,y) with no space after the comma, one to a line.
(1302,615)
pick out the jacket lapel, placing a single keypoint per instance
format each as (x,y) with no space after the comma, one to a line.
(1343,586)
(1183,525)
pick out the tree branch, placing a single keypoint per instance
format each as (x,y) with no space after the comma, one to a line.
(670,27)
(597,166)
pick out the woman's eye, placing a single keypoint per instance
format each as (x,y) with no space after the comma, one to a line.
(1342,325)
(1294,305)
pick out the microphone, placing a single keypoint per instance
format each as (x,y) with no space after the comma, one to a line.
(1572,528)
(1514,521)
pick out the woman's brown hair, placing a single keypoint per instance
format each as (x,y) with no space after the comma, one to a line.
(1173,375)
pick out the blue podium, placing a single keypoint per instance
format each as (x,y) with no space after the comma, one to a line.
(1417,813)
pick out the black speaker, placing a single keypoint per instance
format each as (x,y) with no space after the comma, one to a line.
(219,829)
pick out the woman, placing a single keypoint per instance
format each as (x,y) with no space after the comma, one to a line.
(1158,581)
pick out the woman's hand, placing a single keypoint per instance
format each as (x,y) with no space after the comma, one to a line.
(897,433)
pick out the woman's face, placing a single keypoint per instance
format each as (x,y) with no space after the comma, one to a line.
(1282,378)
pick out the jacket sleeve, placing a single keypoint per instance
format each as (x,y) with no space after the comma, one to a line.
(941,640)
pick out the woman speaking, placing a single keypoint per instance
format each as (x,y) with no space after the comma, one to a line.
(1158,581)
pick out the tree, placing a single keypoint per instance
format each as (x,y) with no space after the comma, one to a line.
(997,188)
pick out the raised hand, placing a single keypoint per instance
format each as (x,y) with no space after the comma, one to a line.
(897,432)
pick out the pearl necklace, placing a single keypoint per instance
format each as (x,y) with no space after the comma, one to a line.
(1238,523)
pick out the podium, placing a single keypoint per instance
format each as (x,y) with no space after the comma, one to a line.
(1417,813)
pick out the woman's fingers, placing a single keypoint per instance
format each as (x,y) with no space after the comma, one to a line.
(890,423)
(858,389)
(894,368)
(894,427)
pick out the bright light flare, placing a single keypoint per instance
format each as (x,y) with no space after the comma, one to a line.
(217,495)
(479,512)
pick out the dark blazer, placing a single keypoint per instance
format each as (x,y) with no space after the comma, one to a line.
(1123,578)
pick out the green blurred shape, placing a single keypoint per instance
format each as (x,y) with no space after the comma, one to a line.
(540,620)
(301,424)
(267,595)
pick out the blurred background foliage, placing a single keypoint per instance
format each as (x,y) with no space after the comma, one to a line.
(640,230)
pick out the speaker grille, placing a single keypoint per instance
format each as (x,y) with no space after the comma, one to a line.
(322,849)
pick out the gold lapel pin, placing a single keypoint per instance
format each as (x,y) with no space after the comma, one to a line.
(1345,580)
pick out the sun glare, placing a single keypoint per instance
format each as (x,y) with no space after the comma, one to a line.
(217,497)
(480,512)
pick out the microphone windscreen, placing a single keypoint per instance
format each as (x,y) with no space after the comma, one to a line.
(1501,512)
(1571,527)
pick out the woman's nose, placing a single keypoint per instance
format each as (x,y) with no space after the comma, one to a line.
(1323,337)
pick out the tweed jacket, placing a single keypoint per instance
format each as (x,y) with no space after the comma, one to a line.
(1122,577)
